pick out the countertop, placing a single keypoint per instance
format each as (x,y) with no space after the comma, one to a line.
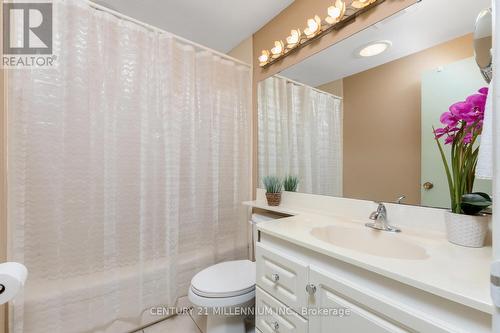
(453,272)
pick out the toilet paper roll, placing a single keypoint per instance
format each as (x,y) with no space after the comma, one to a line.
(12,278)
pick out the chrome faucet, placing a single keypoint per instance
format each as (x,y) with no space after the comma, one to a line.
(380,218)
(400,199)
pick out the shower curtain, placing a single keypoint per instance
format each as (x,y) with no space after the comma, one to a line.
(128,163)
(300,134)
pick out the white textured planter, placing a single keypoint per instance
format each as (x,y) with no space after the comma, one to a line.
(467,230)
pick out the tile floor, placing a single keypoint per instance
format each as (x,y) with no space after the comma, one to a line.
(184,323)
(178,324)
(190,322)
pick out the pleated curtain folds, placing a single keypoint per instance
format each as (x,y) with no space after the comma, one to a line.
(128,163)
(300,134)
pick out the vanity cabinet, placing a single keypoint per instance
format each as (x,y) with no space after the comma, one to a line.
(300,291)
(289,289)
(275,316)
(282,276)
(340,314)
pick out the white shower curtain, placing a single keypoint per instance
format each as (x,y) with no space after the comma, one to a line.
(300,134)
(127,166)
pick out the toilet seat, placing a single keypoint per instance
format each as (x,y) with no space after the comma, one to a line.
(225,280)
(218,295)
(221,302)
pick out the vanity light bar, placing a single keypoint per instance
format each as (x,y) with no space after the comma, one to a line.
(339,15)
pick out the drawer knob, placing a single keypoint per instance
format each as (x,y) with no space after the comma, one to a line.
(311,289)
(275,326)
(275,277)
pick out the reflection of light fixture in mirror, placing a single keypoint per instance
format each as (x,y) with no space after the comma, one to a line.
(278,49)
(293,39)
(264,57)
(374,48)
(362,3)
(338,12)
(335,12)
(313,27)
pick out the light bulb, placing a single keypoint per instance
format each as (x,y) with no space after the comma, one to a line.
(336,12)
(313,26)
(361,3)
(293,39)
(278,48)
(264,57)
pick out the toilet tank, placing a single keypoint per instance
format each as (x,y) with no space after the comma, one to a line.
(256,219)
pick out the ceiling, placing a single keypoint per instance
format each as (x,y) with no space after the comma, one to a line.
(218,24)
(423,25)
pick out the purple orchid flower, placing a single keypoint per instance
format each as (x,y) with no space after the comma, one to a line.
(449,119)
(467,138)
(449,139)
(468,114)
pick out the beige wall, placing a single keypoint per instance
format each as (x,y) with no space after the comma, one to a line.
(295,16)
(382,124)
(335,88)
(243,51)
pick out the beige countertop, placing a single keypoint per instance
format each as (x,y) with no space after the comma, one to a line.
(456,273)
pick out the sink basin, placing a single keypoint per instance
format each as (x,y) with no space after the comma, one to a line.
(369,241)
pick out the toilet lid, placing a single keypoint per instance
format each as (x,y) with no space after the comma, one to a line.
(227,279)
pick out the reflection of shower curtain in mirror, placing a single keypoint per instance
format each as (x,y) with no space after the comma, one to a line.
(300,133)
(128,164)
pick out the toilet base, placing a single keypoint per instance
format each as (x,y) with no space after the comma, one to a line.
(225,324)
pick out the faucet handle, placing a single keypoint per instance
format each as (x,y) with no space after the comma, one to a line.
(401,198)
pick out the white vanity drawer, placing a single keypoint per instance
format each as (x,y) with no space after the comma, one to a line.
(273,316)
(357,319)
(282,276)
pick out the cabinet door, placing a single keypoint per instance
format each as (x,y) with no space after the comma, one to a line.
(282,276)
(272,316)
(339,315)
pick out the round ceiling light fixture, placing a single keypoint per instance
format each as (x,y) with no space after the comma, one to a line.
(374,48)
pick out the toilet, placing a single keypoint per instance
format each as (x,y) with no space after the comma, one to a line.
(225,291)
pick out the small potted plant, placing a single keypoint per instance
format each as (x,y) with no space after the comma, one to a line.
(463,123)
(290,183)
(273,187)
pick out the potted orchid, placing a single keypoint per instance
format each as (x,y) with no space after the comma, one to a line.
(463,124)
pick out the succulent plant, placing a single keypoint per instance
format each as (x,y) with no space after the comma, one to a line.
(272,184)
(474,203)
(290,183)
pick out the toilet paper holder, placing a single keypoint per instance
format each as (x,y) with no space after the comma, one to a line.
(12,278)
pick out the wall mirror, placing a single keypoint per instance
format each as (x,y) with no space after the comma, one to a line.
(356,119)
(483,43)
